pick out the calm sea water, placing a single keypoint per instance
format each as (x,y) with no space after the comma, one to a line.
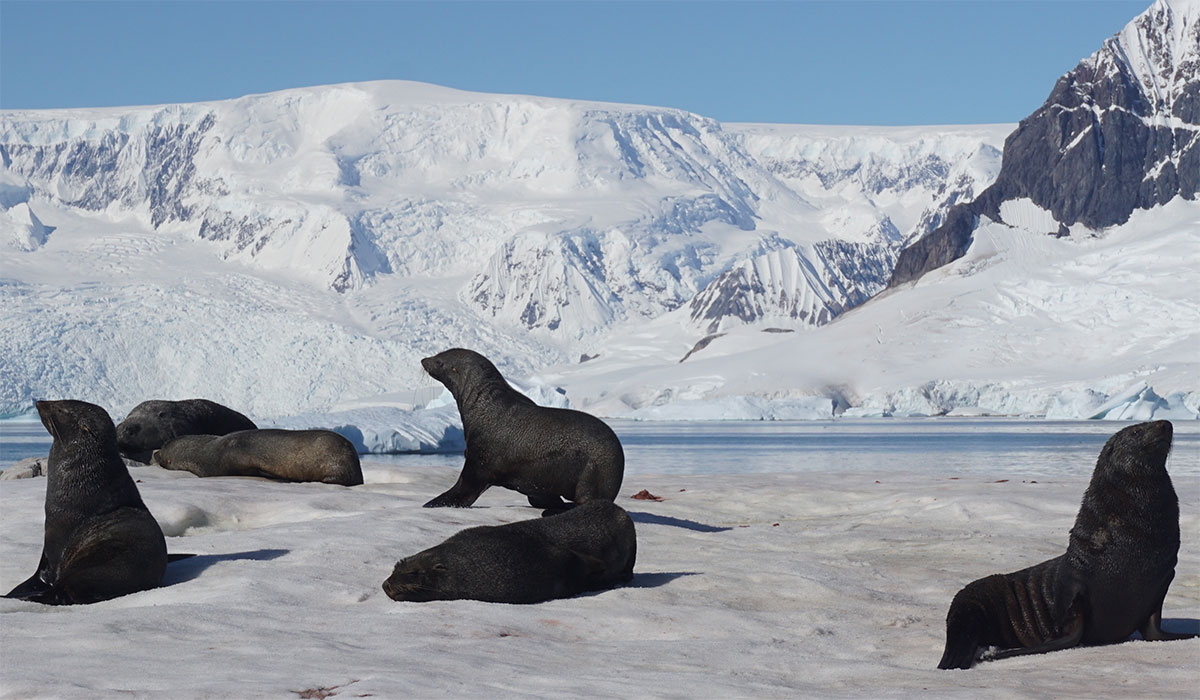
(952,446)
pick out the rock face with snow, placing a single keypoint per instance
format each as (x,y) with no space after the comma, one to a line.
(1119,132)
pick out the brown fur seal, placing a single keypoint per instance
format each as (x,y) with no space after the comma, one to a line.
(151,424)
(588,548)
(545,453)
(1110,582)
(287,455)
(101,542)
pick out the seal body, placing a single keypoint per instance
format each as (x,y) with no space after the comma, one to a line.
(1111,581)
(100,541)
(587,548)
(286,455)
(151,424)
(547,454)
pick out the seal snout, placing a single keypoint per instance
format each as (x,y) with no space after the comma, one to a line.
(1162,429)
(48,411)
(1162,432)
(434,367)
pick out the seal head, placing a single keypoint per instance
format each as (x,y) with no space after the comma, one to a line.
(151,424)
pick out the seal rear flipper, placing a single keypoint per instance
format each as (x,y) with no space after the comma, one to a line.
(177,557)
(1152,630)
(1073,634)
(549,502)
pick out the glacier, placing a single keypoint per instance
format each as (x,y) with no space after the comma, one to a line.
(294,254)
(287,252)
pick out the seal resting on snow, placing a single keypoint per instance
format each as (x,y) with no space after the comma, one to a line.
(100,542)
(285,455)
(151,424)
(547,454)
(587,548)
(1110,582)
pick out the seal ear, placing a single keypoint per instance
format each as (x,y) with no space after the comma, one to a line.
(586,570)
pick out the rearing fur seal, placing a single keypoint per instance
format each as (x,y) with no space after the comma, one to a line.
(1110,582)
(545,453)
(287,455)
(151,424)
(587,548)
(100,542)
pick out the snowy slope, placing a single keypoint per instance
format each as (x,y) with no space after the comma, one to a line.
(1024,324)
(290,251)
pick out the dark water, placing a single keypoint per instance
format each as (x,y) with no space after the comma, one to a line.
(946,445)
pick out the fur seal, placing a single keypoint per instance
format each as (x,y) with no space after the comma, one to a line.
(545,453)
(286,455)
(152,423)
(590,547)
(100,542)
(1110,582)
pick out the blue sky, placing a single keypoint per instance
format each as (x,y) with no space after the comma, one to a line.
(790,62)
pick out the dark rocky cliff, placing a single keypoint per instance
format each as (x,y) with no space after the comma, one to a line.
(1119,132)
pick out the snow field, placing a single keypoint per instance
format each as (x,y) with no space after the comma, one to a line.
(820,584)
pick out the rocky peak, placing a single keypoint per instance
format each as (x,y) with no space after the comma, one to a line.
(1119,132)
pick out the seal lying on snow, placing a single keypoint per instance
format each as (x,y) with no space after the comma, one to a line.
(151,424)
(545,453)
(287,455)
(101,542)
(1110,582)
(588,548)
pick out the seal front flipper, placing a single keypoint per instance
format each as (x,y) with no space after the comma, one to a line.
(964,628)
(462,494)
(34,586)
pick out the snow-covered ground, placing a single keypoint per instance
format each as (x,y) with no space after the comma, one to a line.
(828,575)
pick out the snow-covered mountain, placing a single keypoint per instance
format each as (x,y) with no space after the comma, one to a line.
(410,217)
(1118,133)
(298,252)
(1099,319)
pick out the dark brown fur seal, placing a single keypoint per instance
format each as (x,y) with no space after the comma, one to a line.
(1110,582)
(548,454)
(285,455)
(588,548)
(101,542)
(151,424)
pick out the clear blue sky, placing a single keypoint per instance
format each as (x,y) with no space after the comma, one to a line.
(792,62)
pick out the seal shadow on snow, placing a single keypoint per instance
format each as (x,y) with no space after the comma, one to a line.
(658,578)
(1178,625)
(190,568)
(652,519)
